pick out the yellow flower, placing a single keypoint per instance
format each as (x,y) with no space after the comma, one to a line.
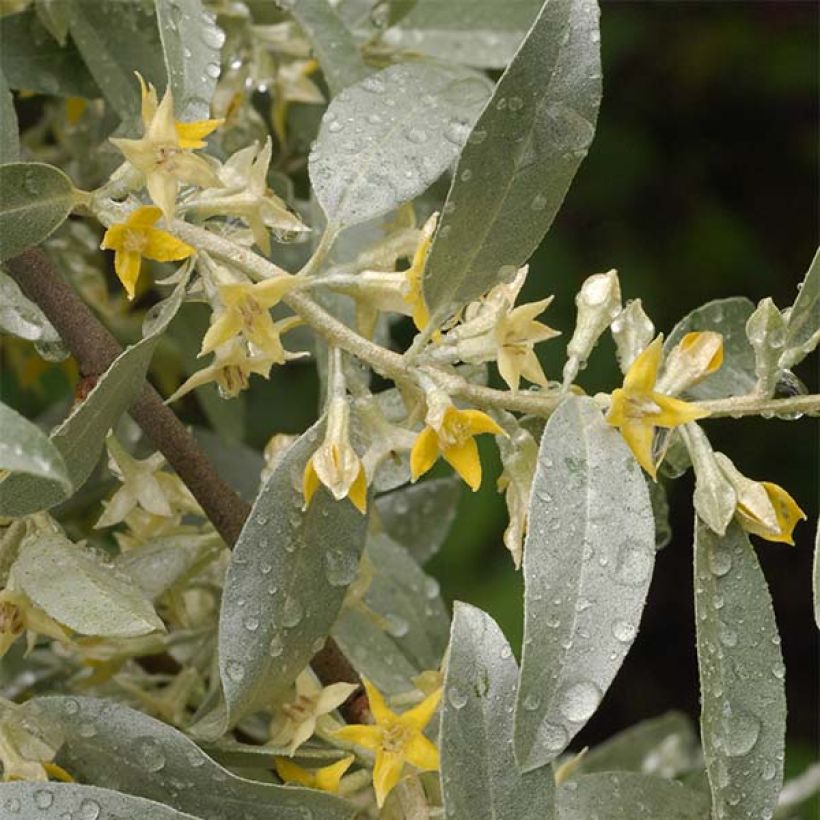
(413,295)
(163,154)
(137,238)
(247,311)
(696,356)
(396,739)
(453,437)
(327,778)
(637,409)
(516,334)
(295,722)
(336,464)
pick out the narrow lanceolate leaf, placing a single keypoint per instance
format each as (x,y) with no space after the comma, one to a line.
(115,40)
(60,801)
(24,448)
(81,436)
(19,316)
(112,746)
(399,627)
(9,133)
(72,585)
(479,778)
(286,582)
(35,199)
(743,704)
(728,317)
(520,159)
(419,516)
(803,329)
(629,796)
(191,46)
(385,140)
(32,60)
(332,43)
(816,576)
(588,560)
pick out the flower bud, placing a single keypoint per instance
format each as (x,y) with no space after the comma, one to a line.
(696,356)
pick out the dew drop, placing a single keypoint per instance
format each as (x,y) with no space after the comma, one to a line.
(43,798)
(431,587)
(458,700)
(580,701)
(742,731)
(417,135)
(87,730)
(516,103)
(727,635)
(335,127)
(539,202)
(505,652)
(149,754)
(89,810)
(720,562)
(251,624)
(71,706)
(466,175)
(397,626)
(276,646)
(341,567)
(235,670)
(531,702)
(623,631)
(779,671)
(292,611)
(213,70)
(552,736)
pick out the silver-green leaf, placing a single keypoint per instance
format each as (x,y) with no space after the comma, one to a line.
(479,778)
(35,199)
(803,329)
(9,132)
(816,575)
(24,448)
(59,801)
(383,141)
(20,317)
(629,796)
(588,560)
(520,159)
(743,703)
(110,745)
(76,588)
(191,45)
(333,44)
(736,375)
(286,582)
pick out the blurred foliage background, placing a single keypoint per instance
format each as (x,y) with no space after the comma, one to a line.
(701,184)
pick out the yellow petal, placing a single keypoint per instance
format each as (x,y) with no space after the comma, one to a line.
(369,737)
(113,238)
(328,777)
(786,510)
(643,372)
(531,369)
(639,435)
(463,458)
(509,367)
(162,188)
(74,109)
(423,754)
(386,773)
(224,327)
(358,491)
(378,708)
(419,716)
(290,772)
(56,772)
(478,422)
(617,408)
(127,268)
(144,217)
(674,412)
(164,247)
(310,482)
(148,95)
(270,291)
(192,134)
(424,453)
(691,341)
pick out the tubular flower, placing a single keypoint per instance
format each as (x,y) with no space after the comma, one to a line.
(327,778)
(336,464)
(763,508)
(296,721)
(516,334)
(637,409)
(137,238)
(396,739)
(412,291)
(696,356)
(247,311)
(163,155)
(451,434)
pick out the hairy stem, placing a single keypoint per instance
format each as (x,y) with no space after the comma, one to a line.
(398,368)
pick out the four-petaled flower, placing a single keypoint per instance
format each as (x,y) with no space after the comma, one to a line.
(327,778)
(137,238)
(335,463)
(637,409)
(451,433)
(396,739)
(295,721)
(162,155)
(247,311)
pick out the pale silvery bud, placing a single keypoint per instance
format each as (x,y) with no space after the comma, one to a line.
(598,302)
(766,331)
(632,331)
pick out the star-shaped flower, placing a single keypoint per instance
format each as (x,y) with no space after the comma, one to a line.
(327,778)
(295,722)
(637,409)
(396,739)
(451,433)
(137,238)
(163,153)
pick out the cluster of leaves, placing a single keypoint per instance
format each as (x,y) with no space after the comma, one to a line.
(158,660)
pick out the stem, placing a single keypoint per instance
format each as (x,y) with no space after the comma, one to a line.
(322,249)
